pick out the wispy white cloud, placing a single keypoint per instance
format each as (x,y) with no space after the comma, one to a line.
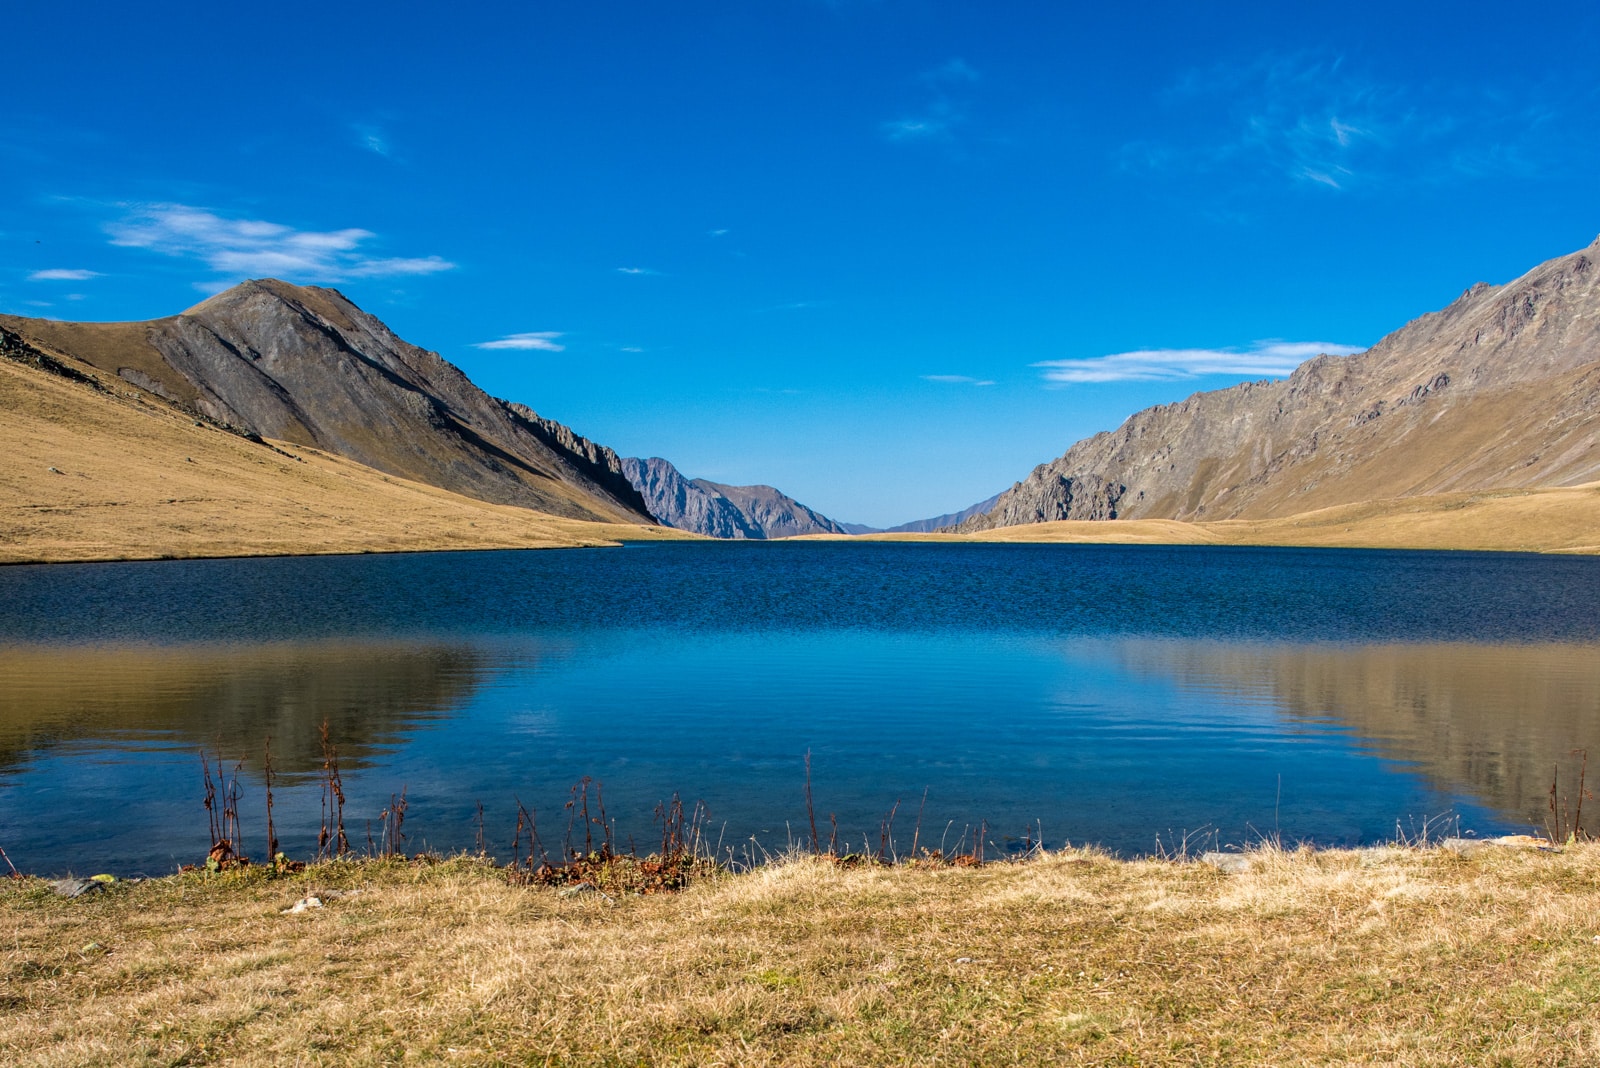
(631,348)
(538,340)
(253,247)
(1345,133)
(1316,120)
(959,380)
(62,274)
(950,84)
(718,233)
(1268,359)
(637,270)
(373,139)
(1309,118)
(1322,177)
(956,71)
(925,128)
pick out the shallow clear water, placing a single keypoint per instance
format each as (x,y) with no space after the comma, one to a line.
(1085,693)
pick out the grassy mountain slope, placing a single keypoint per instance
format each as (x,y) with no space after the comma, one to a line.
(1500,390)
(135,477)
(1564,519)
(305,365)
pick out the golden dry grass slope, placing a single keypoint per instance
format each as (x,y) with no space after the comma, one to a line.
(90,475)
(1391,956)
(304,364)
(1565,520)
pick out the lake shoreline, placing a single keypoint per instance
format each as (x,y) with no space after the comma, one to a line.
(1395,954)
(1559,521)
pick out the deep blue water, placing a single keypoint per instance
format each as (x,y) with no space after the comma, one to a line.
(1090,693)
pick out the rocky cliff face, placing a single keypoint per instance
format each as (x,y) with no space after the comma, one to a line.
(718,511)
(1499,390)
(304,364)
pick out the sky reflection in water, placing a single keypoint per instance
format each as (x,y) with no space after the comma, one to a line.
(1096,694)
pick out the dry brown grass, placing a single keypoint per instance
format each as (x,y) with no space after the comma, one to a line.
(134,478)
(1393,956)
(1565,520)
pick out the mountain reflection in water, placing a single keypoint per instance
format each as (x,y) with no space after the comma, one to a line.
(1087,693)
(232,698)
(1103,739)
(1493,721)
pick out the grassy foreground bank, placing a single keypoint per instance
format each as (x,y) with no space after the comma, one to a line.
(1393,956)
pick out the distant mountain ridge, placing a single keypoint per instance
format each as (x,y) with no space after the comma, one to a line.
(1499,390)
(305,365)
(719,511)
(939,522)
(924,526)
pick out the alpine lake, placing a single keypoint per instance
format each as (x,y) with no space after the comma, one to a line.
(1142,698)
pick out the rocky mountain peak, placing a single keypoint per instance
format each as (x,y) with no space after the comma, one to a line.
(720,511)
(304,364)
(1497,390)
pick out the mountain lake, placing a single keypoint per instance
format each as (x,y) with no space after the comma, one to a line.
(1138,697)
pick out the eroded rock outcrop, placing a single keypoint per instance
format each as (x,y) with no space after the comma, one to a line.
(719,511)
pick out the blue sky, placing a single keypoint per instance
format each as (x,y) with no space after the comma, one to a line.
(884,255)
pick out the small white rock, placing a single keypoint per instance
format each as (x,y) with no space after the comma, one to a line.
(585,890)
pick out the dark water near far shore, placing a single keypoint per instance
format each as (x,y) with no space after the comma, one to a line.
(1091,693)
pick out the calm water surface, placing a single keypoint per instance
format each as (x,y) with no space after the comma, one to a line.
(1089,693)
